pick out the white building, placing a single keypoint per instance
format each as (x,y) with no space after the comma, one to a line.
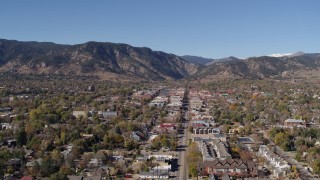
(154,175)
(280,165)
(79,114)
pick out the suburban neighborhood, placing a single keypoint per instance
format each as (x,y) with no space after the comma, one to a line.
(158,132)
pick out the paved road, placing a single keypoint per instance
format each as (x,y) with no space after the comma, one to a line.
(183,167)
(182,173)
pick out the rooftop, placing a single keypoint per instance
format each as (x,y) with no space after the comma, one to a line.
(295,120)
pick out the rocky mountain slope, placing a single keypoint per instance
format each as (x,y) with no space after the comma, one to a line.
(197,59)
(124,62)
(260,67)
(92,58)
(207,61)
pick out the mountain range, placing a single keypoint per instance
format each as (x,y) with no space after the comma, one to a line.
(125,62)
(92,58)
(261,67)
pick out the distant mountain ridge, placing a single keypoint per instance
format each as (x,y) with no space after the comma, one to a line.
(125,62)
(94,58)
(261,67)
(197,59)
(207,61)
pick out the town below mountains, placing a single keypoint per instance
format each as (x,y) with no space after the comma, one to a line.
(98,111)
(118,62)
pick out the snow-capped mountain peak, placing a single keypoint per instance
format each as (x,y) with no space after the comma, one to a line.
(287,54)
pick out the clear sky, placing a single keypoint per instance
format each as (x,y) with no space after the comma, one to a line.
(208,28)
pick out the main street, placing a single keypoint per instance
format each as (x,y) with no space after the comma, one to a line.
(183,167)
(182,173)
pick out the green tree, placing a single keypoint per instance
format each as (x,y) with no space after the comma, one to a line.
(193,170)
(48,167)
(63,136)
(130,144)
(34,114)
(58,176)
(249,117)
(21,137)
(316,166)
(279,138)
(193,157)
(283,140)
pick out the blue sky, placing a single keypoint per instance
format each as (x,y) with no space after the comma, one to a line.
(208,28)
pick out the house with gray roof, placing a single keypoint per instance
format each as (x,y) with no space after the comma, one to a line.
(213,149)
(232,167)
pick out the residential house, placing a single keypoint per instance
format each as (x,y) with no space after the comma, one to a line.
(232,167)
(220,149)
(12,143)
(28,153)
(202,127)
(107,114)
(86,136)
(6,109)
(236,130)
(232,101)
(31,164)
(154,175)
(15,163)
(79,114)
(152,137)
(295,123)
(4,126)
(105,171)
(67,151)
(248,143)
(138,136)
(221,137)
(280,165)
(157,103)
(95,162)
(214,147)
(167,126)
(160,157)
(101,99)
(144,94)
(207,151)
